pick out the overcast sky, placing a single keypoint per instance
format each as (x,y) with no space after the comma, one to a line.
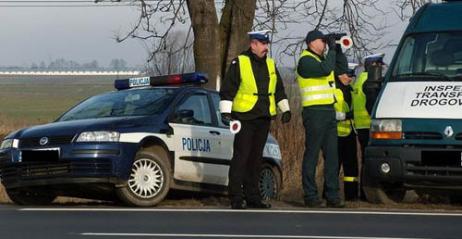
(81,34)
(34,34)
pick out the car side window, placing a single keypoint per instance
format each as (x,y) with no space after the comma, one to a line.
(194,110)
(216,108)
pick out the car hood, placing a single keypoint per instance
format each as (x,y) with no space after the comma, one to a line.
(74,127)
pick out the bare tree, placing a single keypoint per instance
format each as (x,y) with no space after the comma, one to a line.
(221,36)
(176,57)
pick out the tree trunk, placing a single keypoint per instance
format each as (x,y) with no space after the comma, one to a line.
(216,44)
(206,41)
(236,21)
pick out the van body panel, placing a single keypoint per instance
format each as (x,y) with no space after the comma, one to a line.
(422,90)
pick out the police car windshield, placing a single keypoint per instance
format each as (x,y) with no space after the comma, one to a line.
(122,103)
(430,56)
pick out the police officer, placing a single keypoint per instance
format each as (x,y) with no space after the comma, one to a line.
(364,94)
(251,89)
(347,140)
(316,79)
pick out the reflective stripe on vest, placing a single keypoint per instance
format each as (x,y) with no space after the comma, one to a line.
(344,126)
(362,118)
(316,91)
(350,179)
(247,94)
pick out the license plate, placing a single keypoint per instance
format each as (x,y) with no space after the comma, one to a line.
(442,158)
(40,155)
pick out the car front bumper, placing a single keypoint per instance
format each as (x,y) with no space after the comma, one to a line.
(67,164)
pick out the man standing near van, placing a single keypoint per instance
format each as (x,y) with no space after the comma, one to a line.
(363,98)
(315,76)
(250,92)
(346,137)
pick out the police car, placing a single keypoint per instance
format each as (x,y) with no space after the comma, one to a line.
(152,135)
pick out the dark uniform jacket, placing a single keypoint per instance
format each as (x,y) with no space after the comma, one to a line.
(232,80)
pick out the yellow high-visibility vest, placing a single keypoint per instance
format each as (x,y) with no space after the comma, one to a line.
(247,94)
(362,119)
(319,90)
(343,126)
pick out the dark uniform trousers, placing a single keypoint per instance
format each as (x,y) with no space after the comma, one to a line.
(321,134)
(348,159)
(247,157)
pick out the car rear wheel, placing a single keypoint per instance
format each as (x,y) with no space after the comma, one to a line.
(31,197)
(269,182)
(384,194)
(149,180)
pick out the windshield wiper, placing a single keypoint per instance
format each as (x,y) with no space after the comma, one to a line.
(425,74)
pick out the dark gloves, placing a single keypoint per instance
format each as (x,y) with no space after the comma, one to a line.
(331,42)
(226,118)
(285,118)
(349,115)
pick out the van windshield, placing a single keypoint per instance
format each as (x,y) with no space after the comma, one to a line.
(430,56)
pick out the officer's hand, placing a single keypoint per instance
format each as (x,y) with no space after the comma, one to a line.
(331,42)
(345,79)
(226,118)
(286,116)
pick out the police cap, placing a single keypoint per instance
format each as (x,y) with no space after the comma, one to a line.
(262,36)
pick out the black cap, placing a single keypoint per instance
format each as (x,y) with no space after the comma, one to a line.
(313,35)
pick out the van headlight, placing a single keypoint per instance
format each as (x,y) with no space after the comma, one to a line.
(6,144)
(386,129)
(98,136)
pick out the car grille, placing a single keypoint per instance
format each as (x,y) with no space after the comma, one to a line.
(422,135)
(34,170)
(52,140)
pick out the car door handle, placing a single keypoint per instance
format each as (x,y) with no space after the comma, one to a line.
(214,132)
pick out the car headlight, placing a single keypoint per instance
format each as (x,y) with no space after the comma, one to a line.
(98,136)
(7,143)
(386,129)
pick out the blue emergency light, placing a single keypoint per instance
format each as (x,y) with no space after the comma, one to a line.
(177,79)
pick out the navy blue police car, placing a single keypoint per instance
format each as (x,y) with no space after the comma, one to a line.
(151,135)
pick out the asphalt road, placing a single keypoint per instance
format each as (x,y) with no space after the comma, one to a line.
(104,222)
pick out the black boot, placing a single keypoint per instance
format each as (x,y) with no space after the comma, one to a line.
(238,205)
(258,204)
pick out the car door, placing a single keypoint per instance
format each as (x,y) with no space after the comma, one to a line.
(197,142)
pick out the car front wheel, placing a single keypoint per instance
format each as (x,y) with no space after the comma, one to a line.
(149,180)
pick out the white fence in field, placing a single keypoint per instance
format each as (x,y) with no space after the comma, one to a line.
(70,73)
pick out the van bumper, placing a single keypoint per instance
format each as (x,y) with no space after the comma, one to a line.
(414,167)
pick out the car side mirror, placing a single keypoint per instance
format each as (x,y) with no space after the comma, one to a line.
(182,116)
(185,113)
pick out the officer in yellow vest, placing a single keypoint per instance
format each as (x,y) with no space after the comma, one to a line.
(364,96)
(347,141)
(316,79)
(251,90)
